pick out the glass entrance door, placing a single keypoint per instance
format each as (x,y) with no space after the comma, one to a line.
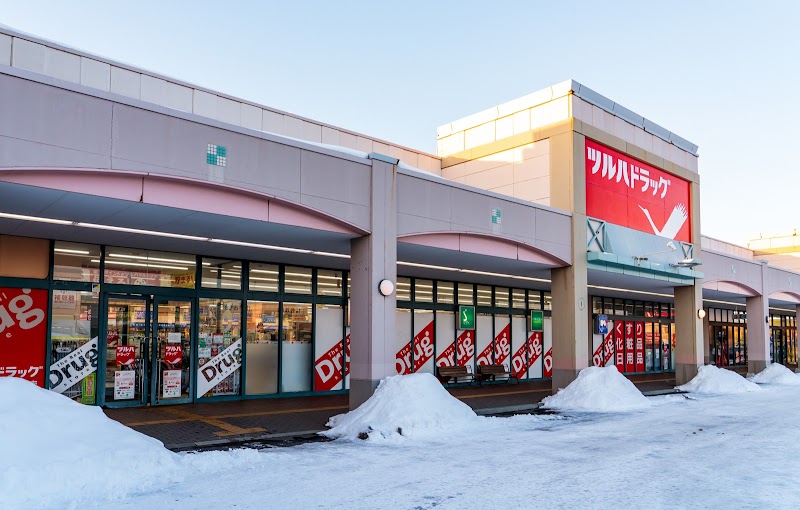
(127,350)
(171,376)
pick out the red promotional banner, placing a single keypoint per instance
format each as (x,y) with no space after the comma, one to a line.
(446,358)
(604,352)
(639,334)
(518,365)
(485,357)
(402,361)
(630,364)
(502,345)
(535,347)
(465,347)
(328,367)
(628,192)
(548,364)
(126,354)
(23,333)
(173,354)
(423,346)
(619,339)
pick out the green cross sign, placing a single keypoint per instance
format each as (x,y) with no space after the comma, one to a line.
(466,317)
(216,155)
(537,320)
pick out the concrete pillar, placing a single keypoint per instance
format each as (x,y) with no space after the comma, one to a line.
(706,340)
(689,350)
(758,328)
(571,323)
(374,258)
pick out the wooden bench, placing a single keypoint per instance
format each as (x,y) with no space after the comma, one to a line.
(455,373)
(492,372)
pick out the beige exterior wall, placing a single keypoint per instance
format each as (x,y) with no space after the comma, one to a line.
(78,67)
(782,251)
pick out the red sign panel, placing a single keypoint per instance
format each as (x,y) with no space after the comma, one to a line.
(619,338)
(502,345)
(125,354)
(423,346)
(639,346)
(23,333)
(173,354)
(630,359)
(633,194)
(465,347)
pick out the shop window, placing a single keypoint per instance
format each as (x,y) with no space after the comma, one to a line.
(638,310)
(423,291)
(404,289)
(329,368)
(297,280)
(484,295)
(329,283)
(629,308)
(534,300)
(262,347)
(76,262)
(548,301)
(222,274)
(140,267)
(518,299)
(466,294)
(597,305)
(264,277)
(501,297)
(296,355)
(219,341)
(75,321)
(445,292)
(648,310)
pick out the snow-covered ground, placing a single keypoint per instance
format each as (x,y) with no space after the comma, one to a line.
(729,451)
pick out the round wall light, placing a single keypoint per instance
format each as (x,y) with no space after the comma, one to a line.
(386,288)
(701,314)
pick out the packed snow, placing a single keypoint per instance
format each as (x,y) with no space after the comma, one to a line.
(598,389)
(776,374)
(711,380)
(412,405)
(736,451)
(54,450)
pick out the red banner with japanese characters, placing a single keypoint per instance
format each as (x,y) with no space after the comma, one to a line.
(173,354)
(619,340)
(639,333)
(628,192)
(630,364)
(23,333)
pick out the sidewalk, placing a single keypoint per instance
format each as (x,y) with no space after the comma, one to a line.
(290,420)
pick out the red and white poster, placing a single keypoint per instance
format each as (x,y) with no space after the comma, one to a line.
(535,346)
(502,341)
(547,361)
(619,345)
(403,342)
(630,355)
(603,353)
(125,355)
(173,354)
(23,333)
(639,335)
(628,192)
(445,339)
(465,347)
(483,339)
(519,358)
(328,348)
(423,342)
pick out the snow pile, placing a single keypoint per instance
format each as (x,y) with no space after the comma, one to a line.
(776,374)
(718,381)
(412,405)
(598,389)
(54,450)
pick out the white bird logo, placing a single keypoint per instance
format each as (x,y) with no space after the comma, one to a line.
(674,223)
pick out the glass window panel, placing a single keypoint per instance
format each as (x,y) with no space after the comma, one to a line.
(75,321)
(142,267)
(297,280)
(296,355)
(404,289)
(264,277)
(548,301)
(534,300)
(444,292)
(262,347)
(466,294)
(222,274)
(423,290)
(484,295)
(629,308)
(518,298)
(501,297)
(329,283)
(76,262)
(638,309)
(329,369)
(219,328)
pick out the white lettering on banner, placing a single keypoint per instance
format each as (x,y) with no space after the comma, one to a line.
(72,368)
(617,168)
(219,367)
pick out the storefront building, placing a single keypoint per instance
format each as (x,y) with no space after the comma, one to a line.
(161,243)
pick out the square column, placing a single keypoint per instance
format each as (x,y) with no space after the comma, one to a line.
(689,338)
(758,328)
(373,258)
(571,320)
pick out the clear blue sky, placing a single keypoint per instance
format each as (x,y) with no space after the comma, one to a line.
(723,75)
